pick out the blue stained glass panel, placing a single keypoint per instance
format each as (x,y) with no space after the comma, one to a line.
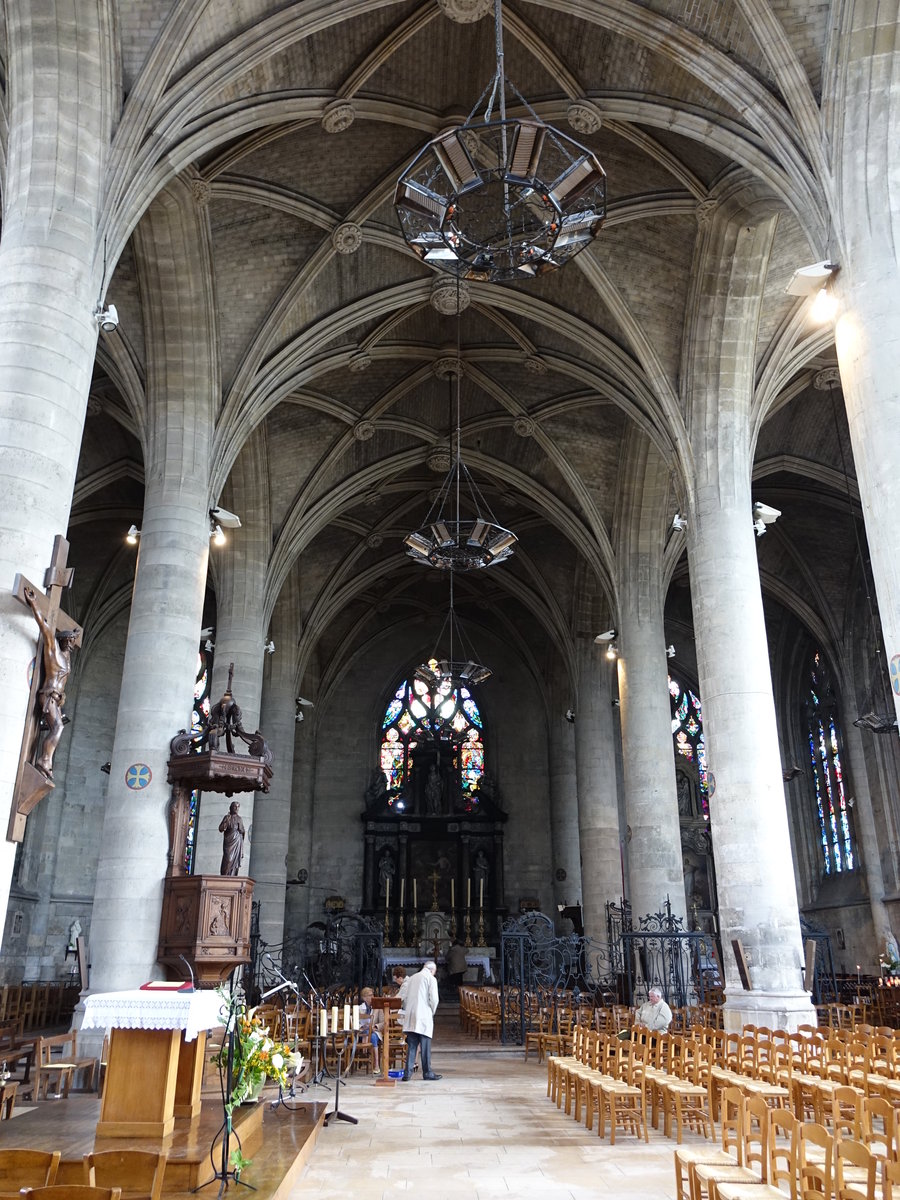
(393,711)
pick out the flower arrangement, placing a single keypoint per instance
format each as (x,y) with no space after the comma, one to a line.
(257,1056)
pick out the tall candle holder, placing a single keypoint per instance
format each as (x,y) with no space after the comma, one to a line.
(387,927)
(468,930)
(401,930)
(414,928)
(481,925)
(452,929)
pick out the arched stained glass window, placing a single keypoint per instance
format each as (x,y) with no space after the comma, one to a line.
(418,711)
(687,733)
(828,774)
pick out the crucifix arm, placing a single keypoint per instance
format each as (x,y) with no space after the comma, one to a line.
(46,631)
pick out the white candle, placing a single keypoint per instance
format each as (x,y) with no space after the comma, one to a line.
(469,892)
(453,893)
(356,1016)
(387,894)
(415,895)
(323,1023)
(334,1024)
(402,891)
(346,1017)
(481,893)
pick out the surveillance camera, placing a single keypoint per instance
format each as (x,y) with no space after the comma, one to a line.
(228,520)
(670,651)
(679,523)
(607,636)
(107,318)
(762,512)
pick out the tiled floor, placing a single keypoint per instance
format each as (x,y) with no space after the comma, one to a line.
(485,1130)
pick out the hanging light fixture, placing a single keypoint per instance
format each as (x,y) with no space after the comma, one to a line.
(460,667)
(500,199)
(447,540)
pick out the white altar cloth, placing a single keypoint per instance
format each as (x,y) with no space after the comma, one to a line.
(191,1011)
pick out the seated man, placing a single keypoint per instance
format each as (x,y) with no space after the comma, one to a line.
(654,1013)
(371,1022)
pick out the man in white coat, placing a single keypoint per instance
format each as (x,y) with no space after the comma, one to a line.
(419,994)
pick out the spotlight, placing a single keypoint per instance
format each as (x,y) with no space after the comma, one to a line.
(808,280)
(608,635)
(824,307)
(670,651)
(106,768)
(679,523)
(131,537)
(209,645)
(107,318)
(570,715)
(764,515)
(305,703)
(299,717)
(208,631)
(217,535)
(221,516)
(269,647)
(760,528)
(612,652)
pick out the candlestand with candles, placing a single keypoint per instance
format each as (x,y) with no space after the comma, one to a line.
(401,929)
(346,1046)
(468,925)
(481,926)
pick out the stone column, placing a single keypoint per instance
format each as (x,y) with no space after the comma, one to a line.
(161,653)
(299,905)
(566,855)
(754,870)
(272,814)
(51,201)
(239,572)
(857,779)
(867,336)
(598,811)
(651,803)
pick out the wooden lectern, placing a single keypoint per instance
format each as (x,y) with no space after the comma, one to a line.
(387,1004)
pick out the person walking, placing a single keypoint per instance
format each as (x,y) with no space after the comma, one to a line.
(420,1001)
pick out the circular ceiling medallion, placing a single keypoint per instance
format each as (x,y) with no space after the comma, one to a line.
(361,361)
(347,238)
(583,117)
(363,431)
(465,12)
(450,296)
(535,365)
(524,427)
(338,116)
(439,458)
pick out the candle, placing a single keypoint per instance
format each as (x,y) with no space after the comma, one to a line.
(469,892)
(355,1017)
(323,1023)
(453,893)
(387,894)
(346,1017)
(334,1024)
(481,893)
(402,891)
(415,895)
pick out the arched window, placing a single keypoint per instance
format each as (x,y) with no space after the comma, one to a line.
(824,750)
(687,733)
(419,711)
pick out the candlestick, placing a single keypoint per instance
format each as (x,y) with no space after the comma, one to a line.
(402,891)
(355,1017)
(346,1017)
(469,892)
(387,894)
(481,893)
(415,895)
(453,893)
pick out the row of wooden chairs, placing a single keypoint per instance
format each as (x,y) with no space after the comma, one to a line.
(106,1175)
(479,1011)
(38,1005)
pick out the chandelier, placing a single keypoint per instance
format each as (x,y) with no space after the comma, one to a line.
(451,542)
(458,669)
(500,199)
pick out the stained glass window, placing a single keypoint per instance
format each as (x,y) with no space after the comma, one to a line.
(687,733)
(198,717)
(419,711)
(832,809)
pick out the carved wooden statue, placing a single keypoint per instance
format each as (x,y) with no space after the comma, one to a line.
(233,842)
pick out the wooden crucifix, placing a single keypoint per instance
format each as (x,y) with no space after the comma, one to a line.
(44,721)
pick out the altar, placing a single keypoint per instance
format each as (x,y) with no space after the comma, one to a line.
(478,961)
(156,1052)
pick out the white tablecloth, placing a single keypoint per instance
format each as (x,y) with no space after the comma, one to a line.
(191,1011)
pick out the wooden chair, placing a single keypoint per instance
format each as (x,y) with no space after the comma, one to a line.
(139,1173)
(728,1155)
(847,1118)
(754,1156)
(26,1168)
(880,1127)
(815,1162)
(62,1050)
(71,1191)
(860,1183)
(890,1180)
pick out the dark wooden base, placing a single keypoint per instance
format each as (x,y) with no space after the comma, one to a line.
(278,1141)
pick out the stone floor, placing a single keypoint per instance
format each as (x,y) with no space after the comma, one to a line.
(485,1130)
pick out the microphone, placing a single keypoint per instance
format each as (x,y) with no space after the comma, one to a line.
(191,971)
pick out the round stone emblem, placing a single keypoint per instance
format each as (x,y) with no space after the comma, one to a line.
(583,117)
(447,367)
(361,361)
(535,365)
(347,238)
(439,459)
(524,427)
(363,431)
(338,116)
(465,11)
(450,296)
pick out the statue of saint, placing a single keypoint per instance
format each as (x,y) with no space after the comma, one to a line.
(377,789)
(57,664)
(74,935)
(433,791)
(481,868)
(233,842)
(386,870)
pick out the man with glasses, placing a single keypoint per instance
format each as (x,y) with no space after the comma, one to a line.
(420,1000)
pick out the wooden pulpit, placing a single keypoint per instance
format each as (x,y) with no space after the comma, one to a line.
(387,1004)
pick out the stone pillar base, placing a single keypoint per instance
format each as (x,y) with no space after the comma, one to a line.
(775,1010)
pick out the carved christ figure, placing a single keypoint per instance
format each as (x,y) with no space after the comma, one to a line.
(57,664)
(233,842)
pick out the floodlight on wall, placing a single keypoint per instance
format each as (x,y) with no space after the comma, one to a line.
(221,516)
(612,652)
(824,307)
(764,515)
(269,647)
(131,537)
(217,535)
(499,199)
(609,635)
(670,651)
(815,280)
(679,523)
(107,318)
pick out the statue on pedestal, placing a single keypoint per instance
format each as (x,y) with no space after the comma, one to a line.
(233,842)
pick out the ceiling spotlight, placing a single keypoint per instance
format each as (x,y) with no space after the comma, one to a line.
(269,647)
(304,703)
(208,631)
(570,715)
(299,717)
(670,651)
(608,636)
(808,280)
(759,528)
(209,645)
(612,652)
(107,318)
(131,537)
(679,523)
(217,535)
(824,307)
(766,514)
(221,516)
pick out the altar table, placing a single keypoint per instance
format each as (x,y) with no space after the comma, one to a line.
(156,1051)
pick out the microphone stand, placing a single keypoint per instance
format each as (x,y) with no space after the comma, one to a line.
(316,1038)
